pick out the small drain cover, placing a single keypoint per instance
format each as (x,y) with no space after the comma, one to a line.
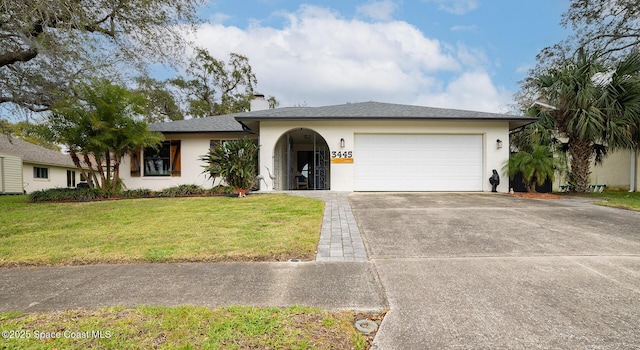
(366,326)
(294,260)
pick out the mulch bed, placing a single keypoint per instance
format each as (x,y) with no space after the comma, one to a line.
(537,195)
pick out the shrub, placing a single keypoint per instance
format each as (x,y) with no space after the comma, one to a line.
(182,190)
(536,167)
(136,193)
(89,194)
(67,194)
(222,189)
(235,161)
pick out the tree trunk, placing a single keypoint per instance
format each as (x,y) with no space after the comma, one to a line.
(580,153)
(104,182)
(116,173)
(108,172)
(93,178)
(76,161)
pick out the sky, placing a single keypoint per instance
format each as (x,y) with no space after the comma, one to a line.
(462,54)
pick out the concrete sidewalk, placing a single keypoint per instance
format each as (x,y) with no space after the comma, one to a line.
(352,286)
(330,282)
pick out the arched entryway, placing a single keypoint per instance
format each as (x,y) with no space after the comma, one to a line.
(301,161)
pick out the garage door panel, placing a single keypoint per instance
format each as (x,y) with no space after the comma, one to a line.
(392,162)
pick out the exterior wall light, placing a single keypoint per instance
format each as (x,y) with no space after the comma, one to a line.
(498,143)
(342,143)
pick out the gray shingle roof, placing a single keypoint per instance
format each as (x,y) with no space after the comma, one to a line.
(373,110)
(361,110)
(221,123)
(31,153)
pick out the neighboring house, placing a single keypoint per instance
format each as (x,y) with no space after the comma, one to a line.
(10,174)
(40,168)
(618,171)
(367,146)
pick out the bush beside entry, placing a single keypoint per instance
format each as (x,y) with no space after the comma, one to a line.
(536,166)
(235,162)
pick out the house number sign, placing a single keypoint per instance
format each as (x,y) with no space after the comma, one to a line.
(343,154)
(341,157)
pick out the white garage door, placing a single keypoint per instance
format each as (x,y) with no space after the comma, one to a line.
(393,162)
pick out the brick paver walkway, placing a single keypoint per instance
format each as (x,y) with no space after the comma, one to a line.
(340,238)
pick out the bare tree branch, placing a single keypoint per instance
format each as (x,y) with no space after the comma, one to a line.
(46,44)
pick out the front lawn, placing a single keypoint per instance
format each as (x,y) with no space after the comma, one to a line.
(625,200)
(183,327)
(257,228)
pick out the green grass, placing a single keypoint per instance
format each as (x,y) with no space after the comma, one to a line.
(625,200)
(257,228)
(183,327)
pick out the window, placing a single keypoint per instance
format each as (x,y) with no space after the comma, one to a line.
(157,162)
(40,173)
(213,143)
(71,178)
(163,161)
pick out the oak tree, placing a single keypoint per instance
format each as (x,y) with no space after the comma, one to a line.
(162,104)
(606,28)
(214,87)
(46,45)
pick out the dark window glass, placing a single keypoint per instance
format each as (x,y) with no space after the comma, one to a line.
(71,178)
(157,162)
(40,173)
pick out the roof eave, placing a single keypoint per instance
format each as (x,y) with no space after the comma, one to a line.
(519,123)
(201,131)
(34,162)
(258,119)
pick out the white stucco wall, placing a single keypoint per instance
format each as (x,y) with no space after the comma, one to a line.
(192,147)
(342,175)
(57,177)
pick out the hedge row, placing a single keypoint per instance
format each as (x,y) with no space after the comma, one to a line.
(92,194)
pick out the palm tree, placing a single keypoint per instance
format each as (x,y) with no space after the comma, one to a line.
(100,126)
(115,118)
(591,105)
(536,166)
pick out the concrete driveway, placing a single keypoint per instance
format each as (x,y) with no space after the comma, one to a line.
(495,271)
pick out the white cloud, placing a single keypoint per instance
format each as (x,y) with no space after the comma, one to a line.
(456,7)
(378,10)
(219,18)
(471,58)
(319,58)
(472,91)
(461,28)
